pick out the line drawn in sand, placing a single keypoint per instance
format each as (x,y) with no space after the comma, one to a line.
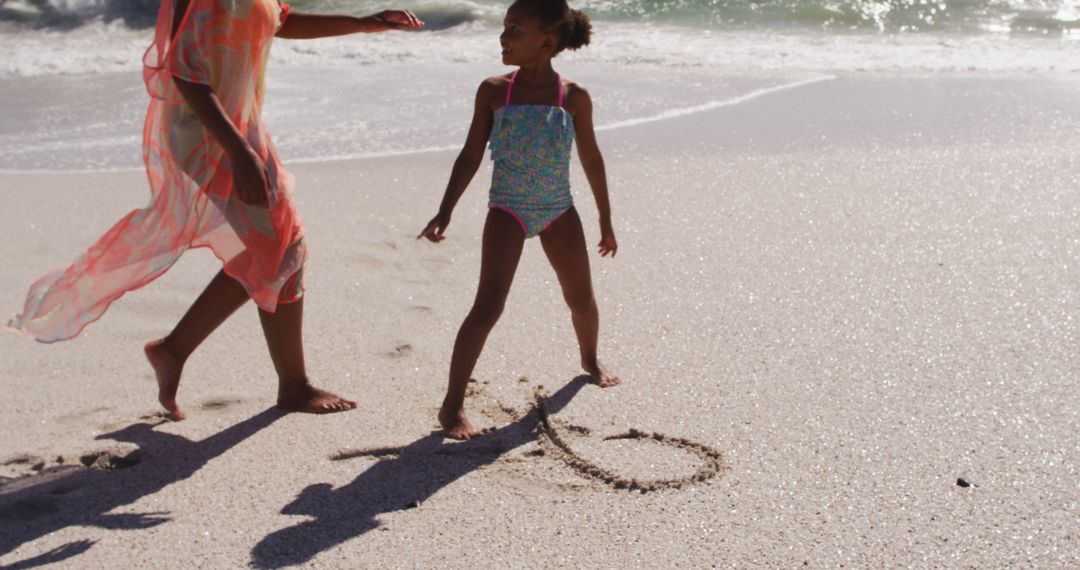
(553,444)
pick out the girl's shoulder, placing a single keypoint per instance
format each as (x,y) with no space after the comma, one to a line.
(572,88)
(575,96)
(492,87)
(497,81)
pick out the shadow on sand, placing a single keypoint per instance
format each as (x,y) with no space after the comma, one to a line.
(409,477)
(63,497)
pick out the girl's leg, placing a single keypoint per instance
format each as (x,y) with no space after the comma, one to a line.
(284,337)
(564,244)
(220,299)
(503,242)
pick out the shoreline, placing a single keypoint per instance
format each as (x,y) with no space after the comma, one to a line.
(665,115)
(764,85)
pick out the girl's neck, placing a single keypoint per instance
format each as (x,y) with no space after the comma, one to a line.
(535,74)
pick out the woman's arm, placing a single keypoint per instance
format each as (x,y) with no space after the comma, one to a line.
(466,165)
(300,26)
(250,181)
(580,105)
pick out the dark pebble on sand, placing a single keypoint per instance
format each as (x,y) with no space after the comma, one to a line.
(961,482)
(411,505)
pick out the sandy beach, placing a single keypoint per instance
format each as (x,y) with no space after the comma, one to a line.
(850,294)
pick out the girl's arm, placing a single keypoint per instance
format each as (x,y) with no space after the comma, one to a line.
(300,26)
(468,161)
(580,105)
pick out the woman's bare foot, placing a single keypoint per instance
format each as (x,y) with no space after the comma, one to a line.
(303,397)
(167,367)
(603,377)
(457,426)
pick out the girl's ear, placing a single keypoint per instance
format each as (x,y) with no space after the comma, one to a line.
(549,43)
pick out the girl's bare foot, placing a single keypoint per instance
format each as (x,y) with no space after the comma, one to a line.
(603,377)
(167,367)
(457,426)
(303,397)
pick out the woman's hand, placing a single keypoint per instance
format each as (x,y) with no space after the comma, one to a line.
(397,20)
(250,180)
(435,228)
(607,241)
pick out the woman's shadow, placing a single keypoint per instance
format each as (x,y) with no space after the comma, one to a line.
(420,470)
(72,496)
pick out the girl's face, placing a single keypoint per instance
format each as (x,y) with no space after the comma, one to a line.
(523,42)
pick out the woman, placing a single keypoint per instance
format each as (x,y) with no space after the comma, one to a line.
(216,181)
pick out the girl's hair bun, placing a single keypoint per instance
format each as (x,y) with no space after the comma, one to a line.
(572,26)
(580,31)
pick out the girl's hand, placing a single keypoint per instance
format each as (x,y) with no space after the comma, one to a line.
(397,20)
(435,228)
(607,242)
(250,180)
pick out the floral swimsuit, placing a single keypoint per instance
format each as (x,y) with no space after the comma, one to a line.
(530,145)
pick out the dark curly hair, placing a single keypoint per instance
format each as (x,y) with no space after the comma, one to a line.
(572,26)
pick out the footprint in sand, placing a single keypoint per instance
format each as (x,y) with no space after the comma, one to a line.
(219,403)
(475,387)
(50,480)
(22,465)
(401,350)
(366,260)
(373,452)
(80,416)
(110,459)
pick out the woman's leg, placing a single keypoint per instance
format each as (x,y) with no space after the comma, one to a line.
(284,337)
(501,251)
(564,244)
(220,299)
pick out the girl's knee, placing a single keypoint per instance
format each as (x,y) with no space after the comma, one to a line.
(582,305)
(487,312)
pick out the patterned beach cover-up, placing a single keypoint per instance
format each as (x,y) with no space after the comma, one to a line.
(223,44)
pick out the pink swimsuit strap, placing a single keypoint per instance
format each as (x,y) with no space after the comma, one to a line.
(510,86)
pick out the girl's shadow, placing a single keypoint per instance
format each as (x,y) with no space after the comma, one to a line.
(420,470)
(65,497)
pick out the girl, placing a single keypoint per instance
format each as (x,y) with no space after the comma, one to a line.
(216,181)
(532,117)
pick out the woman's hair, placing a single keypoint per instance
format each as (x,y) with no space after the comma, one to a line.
(571,26)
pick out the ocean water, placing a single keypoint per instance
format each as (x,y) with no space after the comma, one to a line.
(1035,16)
(72,98)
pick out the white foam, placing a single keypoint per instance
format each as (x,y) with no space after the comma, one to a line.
(101,48)
(683,111)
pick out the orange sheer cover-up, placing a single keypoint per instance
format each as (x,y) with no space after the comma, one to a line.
(223,44)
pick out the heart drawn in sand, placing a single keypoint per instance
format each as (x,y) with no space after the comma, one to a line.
(552,441)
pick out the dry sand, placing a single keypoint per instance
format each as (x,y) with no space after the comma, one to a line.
(848,295)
